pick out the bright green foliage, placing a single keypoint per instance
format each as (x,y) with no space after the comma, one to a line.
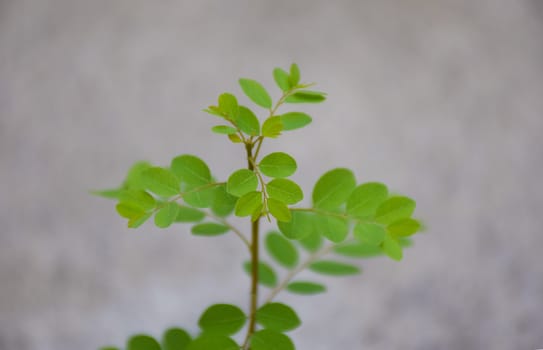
(279,210)
(175,339)
(277,164)
(209,229)
(284,190)
(256,92)
(333,268)
(249,203)
(241,182)
(282,250)
(294,120)
(365,199)
(369,233)
(160,181)
(142,342)
(213,342)
(268,339)
(333,188)
(306,288)
(277,316)
(222,319)
(166,215)
(266,275)
(345,219)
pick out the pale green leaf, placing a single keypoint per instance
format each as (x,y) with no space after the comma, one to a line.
(223,129)
(358,250)
(394,209)
(266,275)
(404,227)
(139,220)
(279,210)
(282,250)
(129,211)
(209,229)
(235,138)
(267,339)
(175,339)
(222,319)
(334,268)
(248,203)
(214,110)
(301,225)
(370,233)
(223,203)
(241,182)
(392,248)
(256,92)
(166,215)
(333,188)
(142,342)
(294,77)
(294,120)
(138,198)
(134,179)
(188,214)
(277,164)
(113,193)
(228,104)
(191,170)
(334,228)
(201,198)
(281,79)
(247,122)
(365,199)
(306,96)
(305,288)
(284,190)
(160,181)
(272,127)
(277,316)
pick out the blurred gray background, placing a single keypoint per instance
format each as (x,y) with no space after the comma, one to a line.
(441,100)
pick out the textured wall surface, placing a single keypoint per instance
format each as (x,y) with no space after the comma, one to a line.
(439,99)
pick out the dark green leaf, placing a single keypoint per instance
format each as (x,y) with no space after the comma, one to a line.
(300,226)
(334,228)
(268,339)
(404,227)
(394,209)
(277,164)
(248,122)
(223,203)
(358,250)
(369,233)
(175,339)
(256,92)
(248,203)
(228,104)
(241,182)
(272,127)
(282,250)
(277,316)
(188,214)
(160,181)
(281,79)
(333,268)
(142,342)
(294,77)
(306,96)
(166,215)
(266,275)
(209,229)
(279,210)
(284,190)
(222,319)
(306,288)
(392,248)
(191,170)
(224,129)
(365,199)
(213,342)
(295,120)
(333,188)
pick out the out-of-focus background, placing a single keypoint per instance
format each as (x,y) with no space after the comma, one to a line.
(442,100)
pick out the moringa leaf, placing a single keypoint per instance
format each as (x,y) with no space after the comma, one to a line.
(306,96)
(281,79)
(160,181)
(191,170)
(142,342)
(256,92)
(175,339)
(247,122)
(248,204)
(294,120)
(333,188)
(284,190)
(365,199)
(213,342)
(209,229)
(241,182)
(278,317)
(333,268)
(268,339)
(306,288)
(272,127)
(279,210)
(282,250)
(394,209)
(222,319)
(277,164)
(166,215)
(266,275)
(369,233)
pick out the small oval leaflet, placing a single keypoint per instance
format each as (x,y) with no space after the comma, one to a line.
(224,130)
(188,214)
(247,122)
(392,248)
(365,199)
(191,170)
(404,227)
(209,229)
(268,339)
(228,104)
(222,319)
(256,92)
(284,190)
(394,209)
(160,181)
(282,250)
(306,96)
(241,182)
(279,210)
(295,120)
(306,288)
(358,250)
(142,342)
(333,268)
(333,188)
(248,203)
(175,339)
(166,215)
(272,127)
(301,225)
(277,316)
(281,79)
(369,233)
(277,164)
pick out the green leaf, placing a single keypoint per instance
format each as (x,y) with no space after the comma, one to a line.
(278,317)
(392,248)
(241,182)
(113,193)
(138,198)
(175,339)
(272,127)
(334,228)
(284,190)
(209,229)
(228,104)
(235,138)
(214,110)
(139,220)
(365,199)
(282,250)
(295,120)
(213,342)
(369,233)
(129,211)
(223,203)
(166,215)
(109,348)
(268,339)
(281,79)
(294,78)
(224,130)
(306,288)
(277,164)
(266,275)
(279,210)
(248,203)
(333,188)
(191,170)
(188,214)
(204,197)
(222,319)
(256,92)
(394,209)
(142,342)
(134,178)
(306,96)
(160,181)
(333,268)
(248,122)
(358,250)
(404,227)
(312,242)
(300,226)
